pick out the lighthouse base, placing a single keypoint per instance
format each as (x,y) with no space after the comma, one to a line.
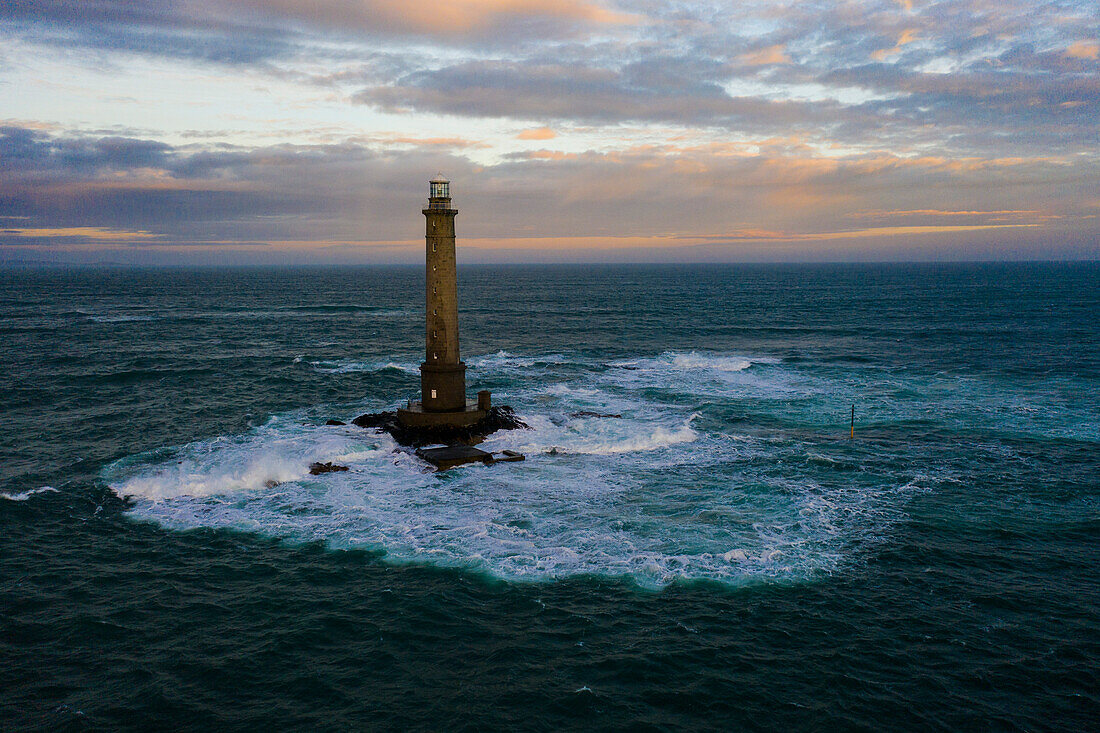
(415,416)
(440,431)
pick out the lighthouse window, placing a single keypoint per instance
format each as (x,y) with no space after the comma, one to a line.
(435,313)
(433,334)
(433,290)
(433,394)
(435,355)
(433,268)
(433,243)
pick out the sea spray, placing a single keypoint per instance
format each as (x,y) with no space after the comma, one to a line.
(634,488)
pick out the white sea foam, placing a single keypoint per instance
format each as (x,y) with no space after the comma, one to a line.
(599,436)
(705,374)
(23,496)
(276,453)
(648,495)
(347,366)
(696,361)
(506,360)
(121,319)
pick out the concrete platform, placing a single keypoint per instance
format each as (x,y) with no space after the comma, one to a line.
(414,415)
(453,455)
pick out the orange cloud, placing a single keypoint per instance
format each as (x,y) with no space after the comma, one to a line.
(585,242)
(443,142)
(907,36)
(30,124)
(1083,50)
(452,18)
(776,54)
(940,212)
(96,233)
(549,155)
(745,235)
(539,133)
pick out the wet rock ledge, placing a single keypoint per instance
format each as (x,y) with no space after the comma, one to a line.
(498,418)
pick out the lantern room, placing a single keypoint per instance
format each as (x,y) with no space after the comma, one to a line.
(440,188)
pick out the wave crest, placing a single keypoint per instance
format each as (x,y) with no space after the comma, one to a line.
(627,474)
(23,496)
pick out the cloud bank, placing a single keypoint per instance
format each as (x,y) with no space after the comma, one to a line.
(655,129)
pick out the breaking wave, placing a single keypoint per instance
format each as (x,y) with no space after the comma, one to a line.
(618,481)
(23,496)
(121,319)
(693,361)
(348,367)
(506,360)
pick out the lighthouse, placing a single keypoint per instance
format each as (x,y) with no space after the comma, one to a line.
(443,400)
(443,425)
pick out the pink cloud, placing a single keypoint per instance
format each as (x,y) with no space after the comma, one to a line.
(776,54)
(539,133)
(450,19)
(1083,50)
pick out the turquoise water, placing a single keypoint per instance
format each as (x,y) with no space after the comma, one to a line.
(720,556)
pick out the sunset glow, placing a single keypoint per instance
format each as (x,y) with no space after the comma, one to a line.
(276,131)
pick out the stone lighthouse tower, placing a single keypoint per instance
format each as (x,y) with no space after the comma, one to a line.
(443,400)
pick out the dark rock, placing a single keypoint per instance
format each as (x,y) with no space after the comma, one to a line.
(335,422)
(316,469)
(374,419)
(589,413)
(498,418)
(453,455)
(501,418)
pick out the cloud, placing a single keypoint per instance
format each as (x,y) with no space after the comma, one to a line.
(1020,76)
(907,36)
(167,28)
(63,191)
(554,91)
(258,32)
(776,54)
(538,133)
(1083,50)
(456,18)
(682,119)
(748,235)
(51,234)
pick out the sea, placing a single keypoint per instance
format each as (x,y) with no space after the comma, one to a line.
(755,497)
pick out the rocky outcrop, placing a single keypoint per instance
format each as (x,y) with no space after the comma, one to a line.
(316,469)
(335,422)
(498,418)
(589,413)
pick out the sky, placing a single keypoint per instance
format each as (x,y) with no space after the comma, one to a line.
(161,132)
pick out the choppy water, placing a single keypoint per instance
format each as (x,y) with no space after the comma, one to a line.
(720,555)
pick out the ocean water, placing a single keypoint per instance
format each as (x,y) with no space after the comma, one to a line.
(713,552)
